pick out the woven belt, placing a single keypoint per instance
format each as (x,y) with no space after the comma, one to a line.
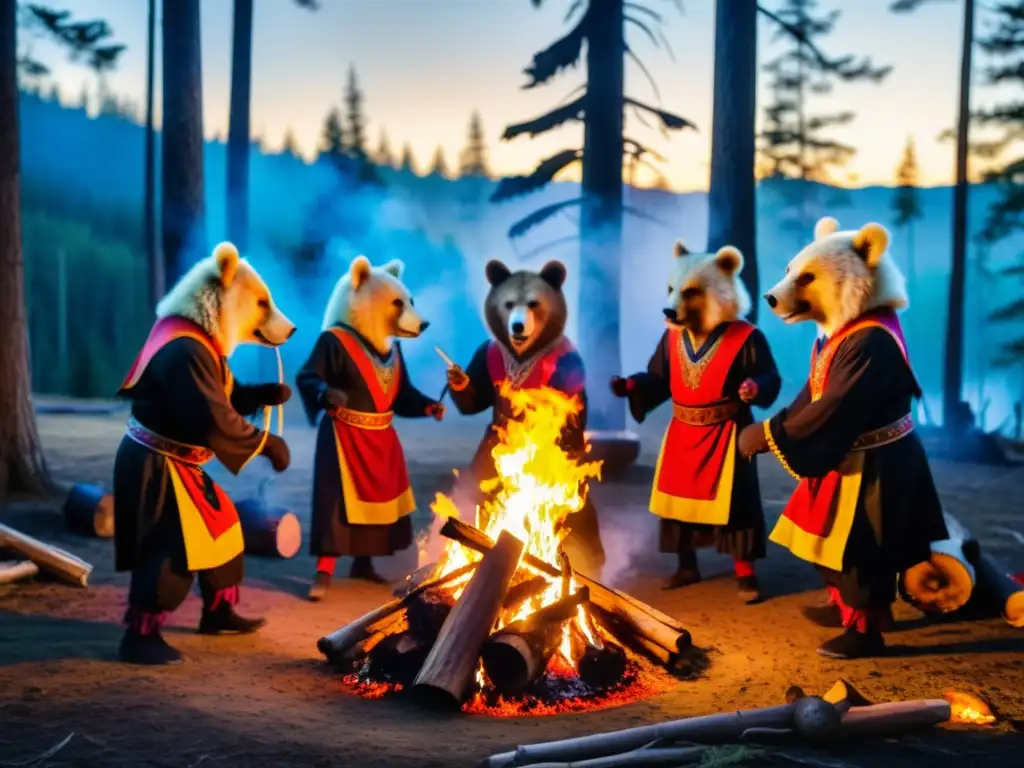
(183,452)
(890,433)
(361,418)
(704,416)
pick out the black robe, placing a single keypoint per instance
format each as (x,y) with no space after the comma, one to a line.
(743,537)
(180,396)
(583,542)
(330,366)
(869,386)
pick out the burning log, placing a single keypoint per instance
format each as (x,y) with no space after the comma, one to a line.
(269,531)
(811,717)
(523,591)
(943,583)
(337,646)
(602,667)
(398,657)
(892,718)
(518,654)
(89,511)
(998,587)
(12,572)
(641,619)
(58,562)
(447,673)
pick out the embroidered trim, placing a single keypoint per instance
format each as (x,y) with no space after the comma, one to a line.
(704,416)
(693,371)
(196,455)
(516,373)
(773,446)
(890,433)
(361,418)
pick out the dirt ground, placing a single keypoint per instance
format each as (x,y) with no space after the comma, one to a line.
(266,700)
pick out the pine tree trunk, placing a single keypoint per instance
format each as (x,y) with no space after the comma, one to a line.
(184,229)
(601,218)
(238,126)
(154,265)
(22,465)
(952,379)
(732,217)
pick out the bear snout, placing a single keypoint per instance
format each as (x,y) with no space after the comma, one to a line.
(424,324)
(772,301)
(518,327)
(670,313)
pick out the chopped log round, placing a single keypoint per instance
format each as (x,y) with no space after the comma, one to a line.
(89,511)
(398,658)
(602,667)
(513,661)
(1001,589)
(447,674)
(428,612)
(269,531)
(61,564)
(945,582)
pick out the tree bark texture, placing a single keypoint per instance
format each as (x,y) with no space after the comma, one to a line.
(22,465)
(952,378)
(731,200)
(601,218)
(238,126)
(154,264)
(184,229)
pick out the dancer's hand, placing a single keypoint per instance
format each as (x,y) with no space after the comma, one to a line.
(457,379)
(276,450)
(748,390)
(751,441)
(335,398)
(274,394)
(620,387)
(436,410)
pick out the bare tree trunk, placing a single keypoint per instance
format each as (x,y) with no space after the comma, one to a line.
(601,218)
(732,215)
(22,465)
(952,379)
(184,228)
(155,266)
(238,126)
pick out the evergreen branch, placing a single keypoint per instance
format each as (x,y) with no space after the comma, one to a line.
(669,120)
(644,9)
(1014,311)
(570,94)
(1015,271)
(639,149)
(646,73)
(29,67)
(548,121)
(543,174)
(640,118)
(547,246)
(562,54)
(906,6)
(645,29)
(539,216)
(576,5)
(666,45)
(653,169)
(794,31)
(630,210)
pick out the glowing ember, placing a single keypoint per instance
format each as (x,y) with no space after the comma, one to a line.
(967,708)
(538,485)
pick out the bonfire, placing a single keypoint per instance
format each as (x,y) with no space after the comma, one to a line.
(501,622)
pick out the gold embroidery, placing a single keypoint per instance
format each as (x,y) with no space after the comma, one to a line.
(693,371)
(890,433)
(704,416)
(383,370)
(361,418)
(518,372)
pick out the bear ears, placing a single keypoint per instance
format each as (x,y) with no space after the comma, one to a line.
(553,273)
(826,226)
(225,255)
(729,260)
(871,242)
(361,269)
(679,250)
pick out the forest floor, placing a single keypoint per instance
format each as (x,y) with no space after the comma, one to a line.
(267,700)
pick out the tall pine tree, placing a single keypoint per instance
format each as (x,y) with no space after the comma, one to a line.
(383,156)
(473,161)
(355,131)
(795,141)
(1004,47)
(408,163)
(332,140)
(438,165)
(906,207)
(288,145)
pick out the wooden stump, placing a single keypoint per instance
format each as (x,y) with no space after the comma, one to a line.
(89,511)
(447,674)
(945,582)
(269,531)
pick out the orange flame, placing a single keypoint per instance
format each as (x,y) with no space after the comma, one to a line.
(538,485)
(968,708)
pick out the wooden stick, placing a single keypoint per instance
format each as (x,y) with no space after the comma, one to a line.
(893,718)
(337,645)
(447,673)
(12,572)
(943,583)
(672,756)
(641,619)
(66,566)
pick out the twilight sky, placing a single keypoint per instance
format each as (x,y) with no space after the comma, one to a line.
(426,64)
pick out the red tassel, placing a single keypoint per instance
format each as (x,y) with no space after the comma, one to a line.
(326,565)
(743,568)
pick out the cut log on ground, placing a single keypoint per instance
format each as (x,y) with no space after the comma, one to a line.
(398,658)
(945,582)
(516,655)
(710,729)
(640,617)
(893,718)
(269,531)
(61,564)
(602,667)
(12,572)
(447,674)
(336,647)
(998,587)
(89,511)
